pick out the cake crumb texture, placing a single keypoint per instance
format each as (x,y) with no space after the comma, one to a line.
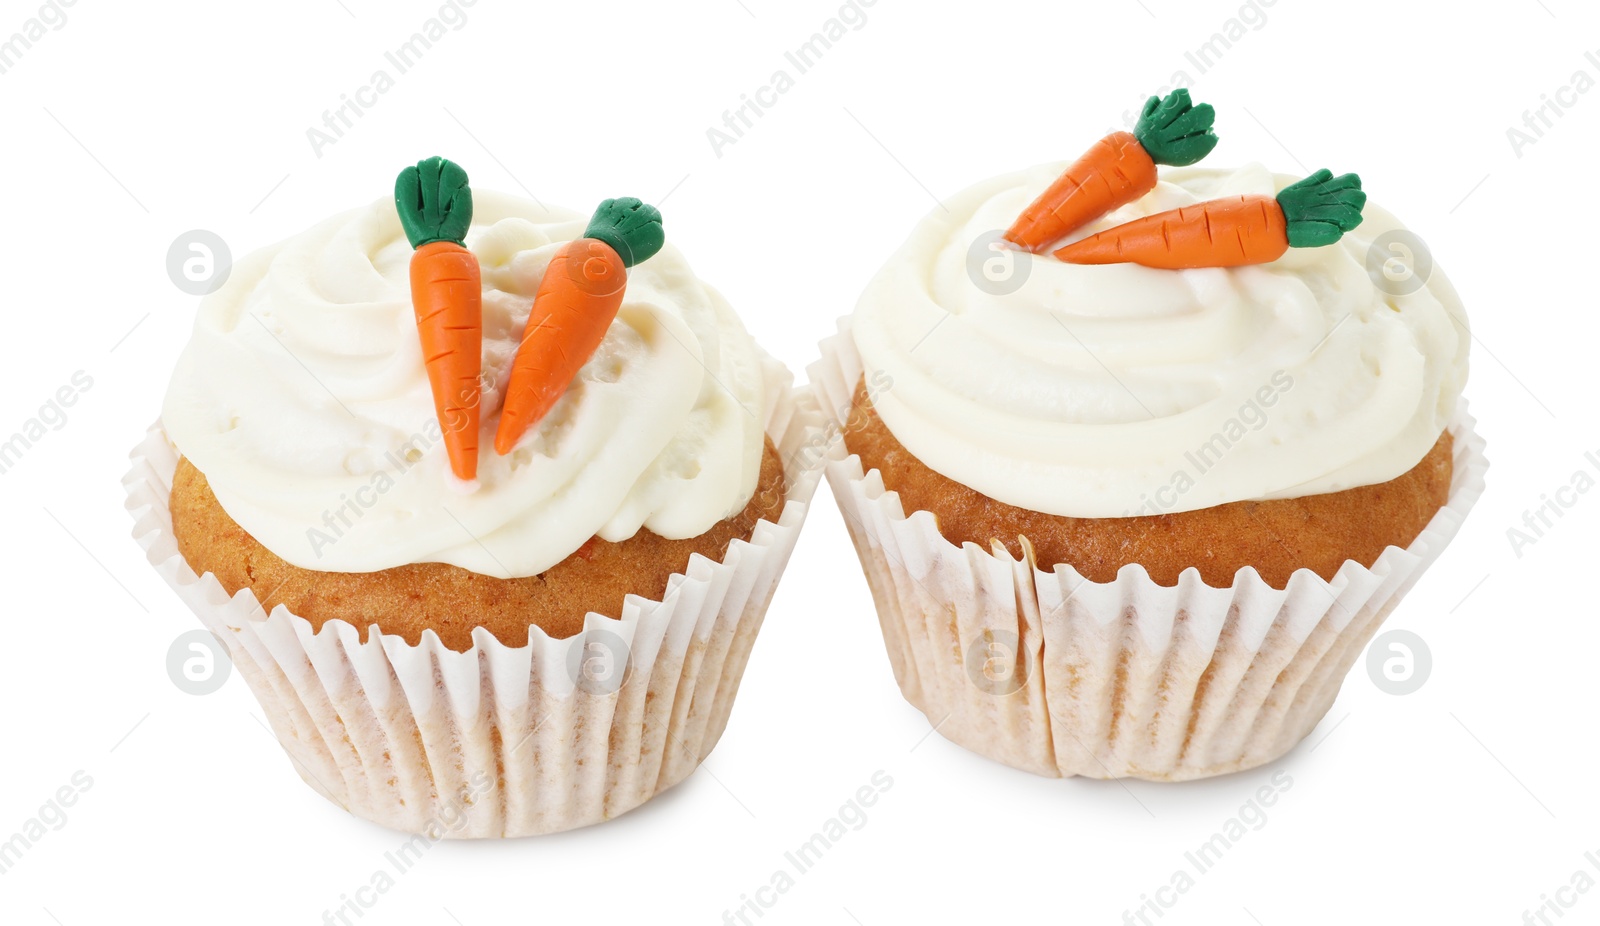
(1317,532)
(406,600)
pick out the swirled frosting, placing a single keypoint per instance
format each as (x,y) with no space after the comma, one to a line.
(1119,390)
(303,399)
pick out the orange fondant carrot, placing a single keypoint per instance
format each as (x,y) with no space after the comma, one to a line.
(435,207)
(1232,231)
(1117,170)
(575,305)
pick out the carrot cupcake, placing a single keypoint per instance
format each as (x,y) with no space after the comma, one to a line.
(1137,460)
(486,500)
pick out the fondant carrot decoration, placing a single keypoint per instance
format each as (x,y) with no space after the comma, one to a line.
(435,206)
(1118,169)
(1232,231)
(576,302)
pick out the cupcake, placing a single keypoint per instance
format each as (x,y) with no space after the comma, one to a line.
(1137,459)
(486,500)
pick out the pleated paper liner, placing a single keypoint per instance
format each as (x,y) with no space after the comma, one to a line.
(500,740)
(1049,672)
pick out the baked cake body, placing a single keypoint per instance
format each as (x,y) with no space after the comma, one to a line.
(1274,537)
(405,601)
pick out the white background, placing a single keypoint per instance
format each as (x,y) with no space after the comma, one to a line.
(1462,803)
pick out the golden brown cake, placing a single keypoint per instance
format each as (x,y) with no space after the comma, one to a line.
(406,600)
(1277,536)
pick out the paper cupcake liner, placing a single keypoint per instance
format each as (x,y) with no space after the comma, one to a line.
(501,740)
(1055,674)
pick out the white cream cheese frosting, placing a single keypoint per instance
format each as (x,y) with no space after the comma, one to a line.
(1120,390)
(303,399)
